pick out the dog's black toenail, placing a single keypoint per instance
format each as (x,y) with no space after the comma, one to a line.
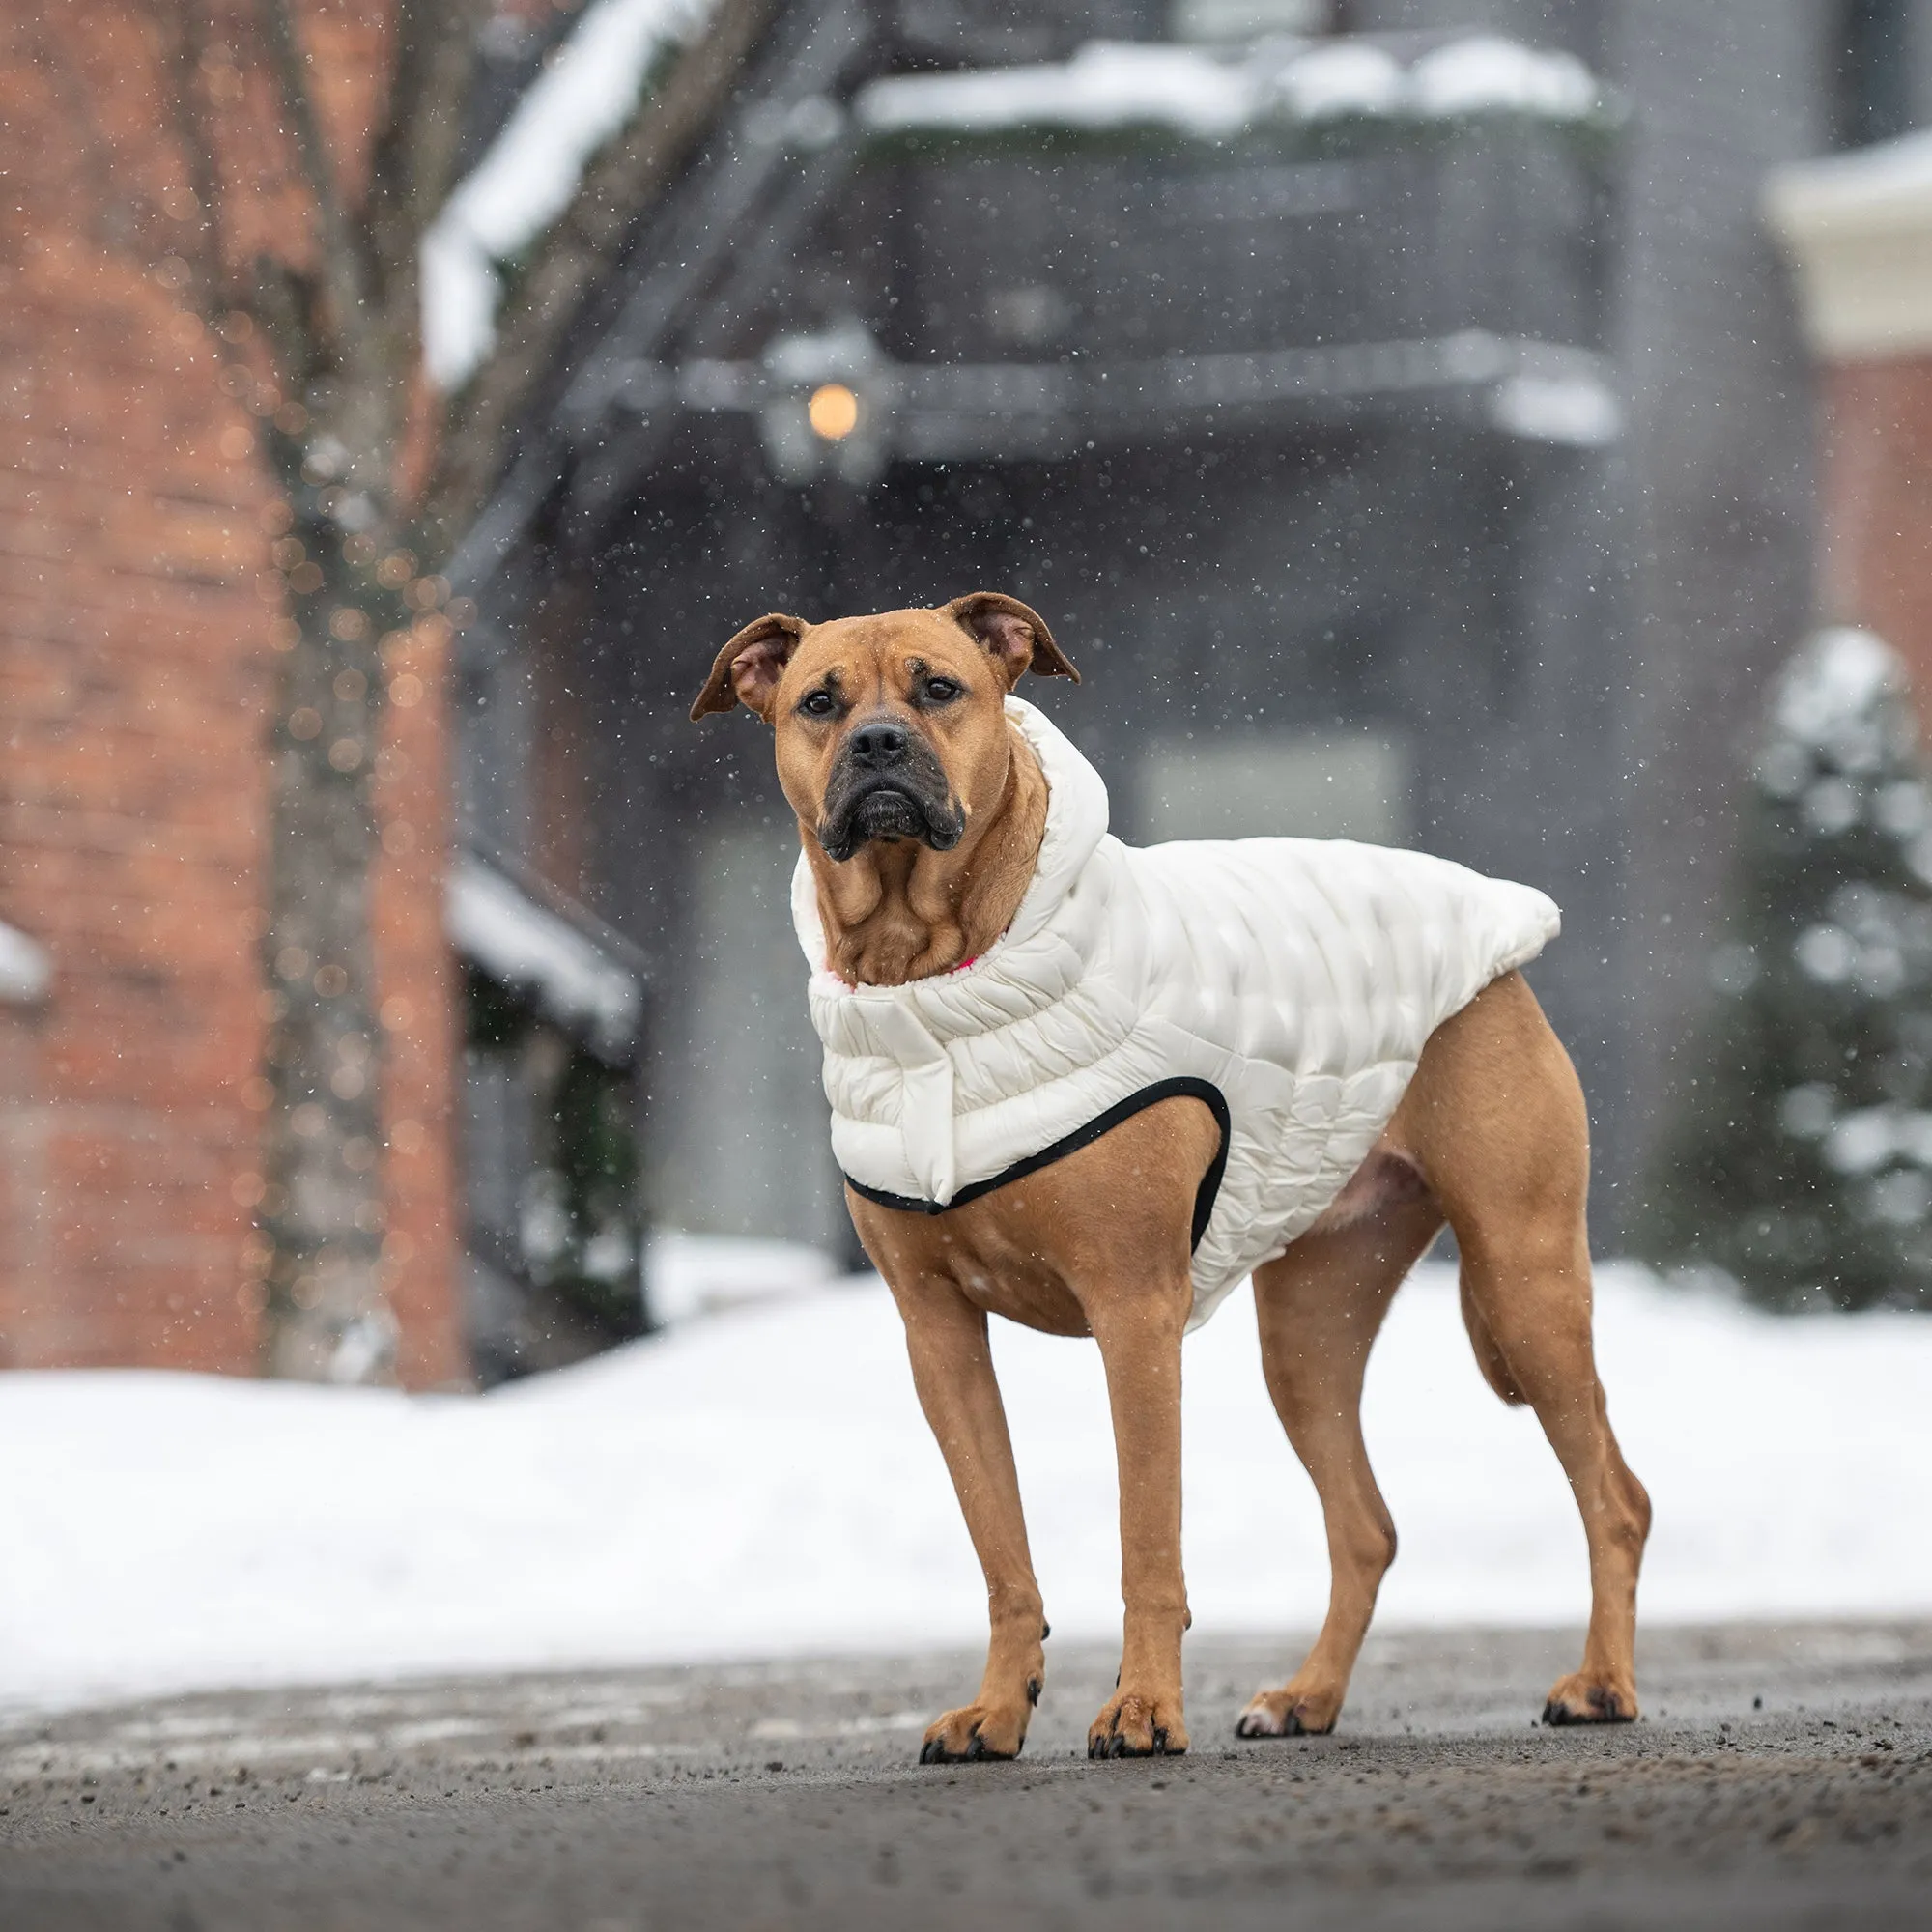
(976,1745)
(1553,1713)
(1033,1690)
(1159,1739)
(928,1752)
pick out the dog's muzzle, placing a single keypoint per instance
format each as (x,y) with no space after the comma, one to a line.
(887,784)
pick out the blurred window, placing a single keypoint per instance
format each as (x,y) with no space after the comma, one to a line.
(554,1007)
(1873,82)
(741,1071)
(1305,785)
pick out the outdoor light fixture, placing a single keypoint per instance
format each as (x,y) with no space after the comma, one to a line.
(833,411)
(825,406)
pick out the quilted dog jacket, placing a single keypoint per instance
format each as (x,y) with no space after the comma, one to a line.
(1288,982)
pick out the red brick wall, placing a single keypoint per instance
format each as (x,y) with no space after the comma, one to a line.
(417,979)
(136,605)
(1877,497)
(23,1269)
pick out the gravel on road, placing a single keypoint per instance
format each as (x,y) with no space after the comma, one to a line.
(1781,1778)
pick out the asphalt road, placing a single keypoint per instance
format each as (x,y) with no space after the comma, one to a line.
(1781,1779)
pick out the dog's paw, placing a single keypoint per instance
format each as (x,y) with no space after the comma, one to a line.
(1134,1725)
(1580,1699)
(979,1731)
(1288,1712)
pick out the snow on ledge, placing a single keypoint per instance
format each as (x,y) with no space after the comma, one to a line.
(1487,74)
(1573,412)
(494,925)
(583,98)
(1203,96)
(1106,84)
(25,969)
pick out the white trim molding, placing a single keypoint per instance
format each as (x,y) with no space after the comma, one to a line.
(1857,227)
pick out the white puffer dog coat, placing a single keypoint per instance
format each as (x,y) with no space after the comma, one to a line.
(1288,982)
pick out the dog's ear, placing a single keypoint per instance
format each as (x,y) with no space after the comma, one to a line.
(1015,638)
(747,669)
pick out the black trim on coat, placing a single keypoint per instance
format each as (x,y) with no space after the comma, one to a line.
(1183,1087)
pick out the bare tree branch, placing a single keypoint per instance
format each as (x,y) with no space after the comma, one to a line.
(583,248)
(282,302)
(342,271)
(413,158)
(194,133)
(213,289)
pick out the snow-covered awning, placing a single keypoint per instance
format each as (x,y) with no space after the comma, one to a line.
(593,87)
(586,95)
(25,969)
(1202,95)
(574,979)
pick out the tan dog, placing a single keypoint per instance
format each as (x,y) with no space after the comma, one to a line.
(922,811)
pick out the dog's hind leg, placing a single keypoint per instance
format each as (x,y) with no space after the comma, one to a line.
(1495,1117)
(1320,1308)
(1531,1286)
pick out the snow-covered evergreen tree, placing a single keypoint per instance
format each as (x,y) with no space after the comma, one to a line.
(1802,1164)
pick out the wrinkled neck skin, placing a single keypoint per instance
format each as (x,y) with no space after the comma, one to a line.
(896,910)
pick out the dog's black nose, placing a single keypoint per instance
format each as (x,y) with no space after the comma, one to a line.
(879,744)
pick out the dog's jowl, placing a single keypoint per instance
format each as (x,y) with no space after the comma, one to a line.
(1092,1087)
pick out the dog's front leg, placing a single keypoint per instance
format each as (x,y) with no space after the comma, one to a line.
(1140,1344)
(953,1371)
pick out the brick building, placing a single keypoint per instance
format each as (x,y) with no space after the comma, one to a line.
(1859,230)
(137,627)
(138,623)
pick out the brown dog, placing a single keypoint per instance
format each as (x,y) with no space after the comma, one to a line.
(916,875)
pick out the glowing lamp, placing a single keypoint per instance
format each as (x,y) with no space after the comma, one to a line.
(833,411)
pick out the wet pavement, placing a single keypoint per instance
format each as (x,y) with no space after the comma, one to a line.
(1781,1778)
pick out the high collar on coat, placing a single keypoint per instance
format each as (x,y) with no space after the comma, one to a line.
(1035,961)
(1077,821)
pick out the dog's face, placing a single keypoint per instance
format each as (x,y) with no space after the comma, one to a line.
(888,728)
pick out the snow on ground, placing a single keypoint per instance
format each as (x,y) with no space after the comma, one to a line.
(689,1275)
(763,1482)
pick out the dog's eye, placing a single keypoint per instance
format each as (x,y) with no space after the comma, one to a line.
(942,689)
(818,705)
